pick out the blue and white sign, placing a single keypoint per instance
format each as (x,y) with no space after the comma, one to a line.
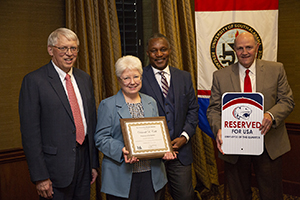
(242,115)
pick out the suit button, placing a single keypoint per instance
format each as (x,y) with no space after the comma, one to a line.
(74,150)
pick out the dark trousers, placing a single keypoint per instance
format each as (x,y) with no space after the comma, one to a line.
(79,189)
(179,180)
(141,188)
(268,174)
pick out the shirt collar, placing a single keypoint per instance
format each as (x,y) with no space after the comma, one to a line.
(61,73)
(252,68)
(165,70)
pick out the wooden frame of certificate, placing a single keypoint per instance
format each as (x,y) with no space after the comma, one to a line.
(146,138)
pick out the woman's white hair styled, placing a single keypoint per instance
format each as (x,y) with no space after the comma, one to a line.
(128,62)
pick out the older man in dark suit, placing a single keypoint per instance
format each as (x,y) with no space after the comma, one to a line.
(175,96)
(268,78)
(58,119)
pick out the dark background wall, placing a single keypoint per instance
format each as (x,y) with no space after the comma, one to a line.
(24,30)
(288,48)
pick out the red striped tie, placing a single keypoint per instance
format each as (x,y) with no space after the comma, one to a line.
(247,82)
(75,110)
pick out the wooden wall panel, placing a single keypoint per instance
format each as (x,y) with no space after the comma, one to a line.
(291,162)
(15,181)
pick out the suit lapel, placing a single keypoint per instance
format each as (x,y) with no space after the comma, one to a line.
(259,76)
(83,91)
(122,108)
(152,83)
(55,81)
(147,106)
(176,88)
(235,78)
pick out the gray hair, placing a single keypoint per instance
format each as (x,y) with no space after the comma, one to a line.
(55,35)
(128,62)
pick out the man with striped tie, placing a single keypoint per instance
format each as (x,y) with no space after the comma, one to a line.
(173,90)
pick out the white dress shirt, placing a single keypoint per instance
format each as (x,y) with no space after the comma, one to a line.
(62,76)
(252,75)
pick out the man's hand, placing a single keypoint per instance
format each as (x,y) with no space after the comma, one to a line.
(44,188)
(266,124)
(129,160)
(94,175)
(219,141)
(170,156)
(177,143)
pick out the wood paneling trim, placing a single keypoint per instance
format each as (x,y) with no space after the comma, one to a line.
(15,180)
(12,155)
(17,154)
(293,128)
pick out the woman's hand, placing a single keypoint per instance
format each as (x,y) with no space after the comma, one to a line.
(129,160)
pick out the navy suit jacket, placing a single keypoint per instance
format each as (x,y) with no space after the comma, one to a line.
(47,125)
(186,105)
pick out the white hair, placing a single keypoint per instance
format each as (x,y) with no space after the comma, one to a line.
(128,62)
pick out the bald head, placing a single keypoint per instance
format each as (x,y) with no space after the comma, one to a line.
(246,47)
(245,35)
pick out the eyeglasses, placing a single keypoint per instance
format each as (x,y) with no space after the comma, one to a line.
(66,49)
(127,80)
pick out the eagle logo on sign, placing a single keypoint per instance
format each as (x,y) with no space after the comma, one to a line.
(222,45)
(242,112)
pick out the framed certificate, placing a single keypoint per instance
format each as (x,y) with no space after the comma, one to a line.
(146,138)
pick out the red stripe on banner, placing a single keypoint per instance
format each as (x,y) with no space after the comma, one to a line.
(204,92)
(230,5)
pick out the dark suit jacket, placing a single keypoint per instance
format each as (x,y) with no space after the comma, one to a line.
(186,105)
(272,82)
(47,125)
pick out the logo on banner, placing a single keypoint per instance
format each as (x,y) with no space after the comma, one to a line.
(242,112)
(222,45)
